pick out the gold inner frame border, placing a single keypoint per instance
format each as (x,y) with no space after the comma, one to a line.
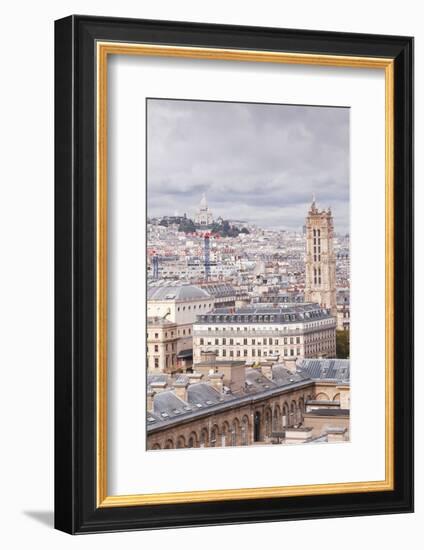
(103,50)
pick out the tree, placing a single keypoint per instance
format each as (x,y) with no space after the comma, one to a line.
(342,344)
(216,228)
(226,227)
(187,226)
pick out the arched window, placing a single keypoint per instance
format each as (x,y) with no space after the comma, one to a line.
(204,438)
(225,434)
(277,419)
(293,413)
(322,397)
(285,415)
(156,447)
(181,442)
(268,422)
(169,444)
(235,430)
(300,409)
(192,440)
(245,431)
(215,437)
(257,427)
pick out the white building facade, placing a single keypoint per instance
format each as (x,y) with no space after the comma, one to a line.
(203,215)
(257,333)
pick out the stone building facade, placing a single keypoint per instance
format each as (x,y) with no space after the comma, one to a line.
(252,421)
(172,309)
(171,312)
(246,406)
(258,332)
(162,345)
(320,265)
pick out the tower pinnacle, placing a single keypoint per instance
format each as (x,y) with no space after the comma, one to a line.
(320,284)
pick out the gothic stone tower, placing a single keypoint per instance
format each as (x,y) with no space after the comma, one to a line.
(320,259)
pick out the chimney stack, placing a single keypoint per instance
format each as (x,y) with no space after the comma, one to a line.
(217,380)
(194,377)
(180,389)
(266,370)
(150,399)
(344,396)
(290,363)
(158,387)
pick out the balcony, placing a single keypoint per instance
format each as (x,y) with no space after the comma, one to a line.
(258,333)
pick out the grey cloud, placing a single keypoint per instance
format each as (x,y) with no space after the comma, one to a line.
(261,163)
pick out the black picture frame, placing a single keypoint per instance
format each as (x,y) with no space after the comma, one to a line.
(76,510)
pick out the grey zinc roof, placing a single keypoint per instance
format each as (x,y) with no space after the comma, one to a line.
(170,409)
(326,369)
(154,320)
(283,376)
(152,418)
(203,394)
(219,290)
(176,292)
(181,379)
(328,412)
(285,313)
(256,381)
(167,405)
(163,403)
(156,378)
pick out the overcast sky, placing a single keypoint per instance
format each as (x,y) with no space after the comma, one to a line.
(259,163)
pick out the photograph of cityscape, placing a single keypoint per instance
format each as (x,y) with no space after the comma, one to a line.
(248,274)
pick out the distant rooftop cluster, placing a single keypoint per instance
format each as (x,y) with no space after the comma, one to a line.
(242,332)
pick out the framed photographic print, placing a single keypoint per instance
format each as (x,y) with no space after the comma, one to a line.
(234,256)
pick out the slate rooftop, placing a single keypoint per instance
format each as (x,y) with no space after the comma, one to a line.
(326,369)
(287,313)
(176,292)
(203,398)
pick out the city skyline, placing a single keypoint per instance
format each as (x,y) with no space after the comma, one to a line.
(248,301)
(192,215)
(265,152)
